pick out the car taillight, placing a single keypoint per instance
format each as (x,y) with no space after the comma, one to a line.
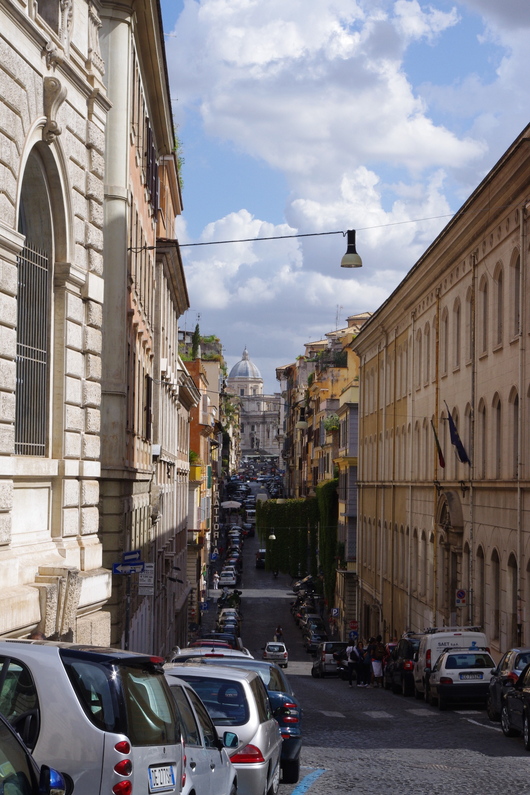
(249,754)
(512,677)
(122,788)
(289,705)
(408,665)
(264,654)
(446,680)
(290,719)
(124,768)
(285,654)
(323,657)
(286,736)
(123,747)
(184,760)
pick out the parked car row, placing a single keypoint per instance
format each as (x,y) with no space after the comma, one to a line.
(305,610)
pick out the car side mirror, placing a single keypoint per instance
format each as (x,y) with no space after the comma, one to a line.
(51,782)
(427,670)
(230,740)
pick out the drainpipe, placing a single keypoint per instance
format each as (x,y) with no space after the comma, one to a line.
(436,415)
(412,387)
(522,381)
(471,563)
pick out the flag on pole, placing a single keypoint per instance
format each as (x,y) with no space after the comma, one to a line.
(455,439)
(441,458)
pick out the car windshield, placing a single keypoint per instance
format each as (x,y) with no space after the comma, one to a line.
(225,700)
(275,647)
(459,661)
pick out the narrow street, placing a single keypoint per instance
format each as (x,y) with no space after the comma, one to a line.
(370,740)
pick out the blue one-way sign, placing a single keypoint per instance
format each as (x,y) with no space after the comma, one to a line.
(131,557)
(128,568)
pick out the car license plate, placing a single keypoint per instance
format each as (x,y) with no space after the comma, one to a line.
(161,778)
(471,676)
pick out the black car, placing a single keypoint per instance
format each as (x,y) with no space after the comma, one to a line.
(19,772)
(285,705)
(504,677)
(398,672)
(515,711)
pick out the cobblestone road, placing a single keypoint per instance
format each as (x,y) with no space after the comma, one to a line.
(371,741)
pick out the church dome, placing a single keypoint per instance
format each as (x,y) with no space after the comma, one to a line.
(244,368)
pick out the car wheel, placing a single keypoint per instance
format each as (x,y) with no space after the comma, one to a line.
(526,732)
(505,723)
(275,781)
(490,709)
(314,673)
(291,771)
(429,698)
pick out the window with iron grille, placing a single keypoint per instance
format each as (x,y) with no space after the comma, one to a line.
(33,354)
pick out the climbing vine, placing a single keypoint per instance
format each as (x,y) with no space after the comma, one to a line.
(327,499)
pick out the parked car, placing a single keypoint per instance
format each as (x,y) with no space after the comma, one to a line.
(230,637)
(237,701)
(504,677)
(515,711)
(435,641)
(327,654)
(207,767)
(260,558)
(398,673)
(313,639)
(459,676)
(103,716)
(227,579)
(305,618)
(214,652)
(20,774)
(276,651)
(285,705)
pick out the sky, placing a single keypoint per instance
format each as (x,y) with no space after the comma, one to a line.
(298,117)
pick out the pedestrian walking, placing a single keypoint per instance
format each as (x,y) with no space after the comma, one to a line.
(216,581)
(278,635)
(352,658)
(378,655)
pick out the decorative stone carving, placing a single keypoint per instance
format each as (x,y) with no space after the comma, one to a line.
(66,21)
(52,55)
(53,97)
(95,61)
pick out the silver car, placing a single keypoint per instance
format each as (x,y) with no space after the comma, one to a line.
(237,701)
(207,766)
(103,716)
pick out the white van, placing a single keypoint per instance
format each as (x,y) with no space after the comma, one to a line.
(436,640)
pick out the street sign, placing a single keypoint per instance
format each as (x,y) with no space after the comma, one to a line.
(335,612)
(132,556)
(460,597)
(354,625)
(353,635)
(128,568)
(146,580)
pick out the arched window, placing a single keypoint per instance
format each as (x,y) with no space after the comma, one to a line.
(418,360)
(483,315)
(424,563)
(416,469)
(495,596)
(497,436)
(514,432)
(415,574)
(480,590)
(481,440)
(427,454)
(499,303)
(516,296)
(427,354)
(511,601)
(469,325)
(444,341)
(34,313)
(457,333)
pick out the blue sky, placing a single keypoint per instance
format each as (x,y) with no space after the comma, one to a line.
(322,115)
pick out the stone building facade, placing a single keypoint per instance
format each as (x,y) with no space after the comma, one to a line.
(443,535)
(54,106)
